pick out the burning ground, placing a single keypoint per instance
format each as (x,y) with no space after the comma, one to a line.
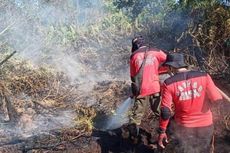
(40,109)
(42,112)
(66,89)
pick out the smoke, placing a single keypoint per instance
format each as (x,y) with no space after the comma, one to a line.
(31,124)
(42,123)
(47,32)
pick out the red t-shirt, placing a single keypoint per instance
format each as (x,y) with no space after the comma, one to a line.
(150,78)
(191,93)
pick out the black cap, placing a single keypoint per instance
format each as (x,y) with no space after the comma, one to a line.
(175,60)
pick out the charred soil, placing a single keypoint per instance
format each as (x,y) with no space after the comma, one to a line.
(87,138)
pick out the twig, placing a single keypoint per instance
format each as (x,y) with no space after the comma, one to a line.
(212,144)
(51,111)
(224,95)
(8,27)
(8,57)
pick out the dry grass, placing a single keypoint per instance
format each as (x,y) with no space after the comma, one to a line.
(30,92)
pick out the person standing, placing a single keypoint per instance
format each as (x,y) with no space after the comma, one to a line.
(144,65)
(191,93)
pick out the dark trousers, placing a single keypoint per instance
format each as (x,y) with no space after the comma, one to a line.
(193,140)
(141,105)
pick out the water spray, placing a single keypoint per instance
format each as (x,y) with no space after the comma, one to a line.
(120,116)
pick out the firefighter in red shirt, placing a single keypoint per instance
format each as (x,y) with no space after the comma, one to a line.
(191,93)
(144,65)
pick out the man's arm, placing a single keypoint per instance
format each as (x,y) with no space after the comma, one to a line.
(165,114)
(165,107)
(162,57)
(132,74)
(212,91)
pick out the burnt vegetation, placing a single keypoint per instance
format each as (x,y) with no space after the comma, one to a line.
(68,75)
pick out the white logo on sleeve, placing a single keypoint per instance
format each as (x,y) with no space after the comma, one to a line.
(193,92)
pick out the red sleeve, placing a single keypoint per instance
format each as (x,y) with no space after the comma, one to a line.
(166,102)
(162,57)
(132,67)
(163,69)
(135,63)
(212,91)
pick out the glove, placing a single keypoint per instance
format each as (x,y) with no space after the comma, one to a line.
(162,138)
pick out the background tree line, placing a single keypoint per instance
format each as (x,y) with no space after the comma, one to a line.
(198,28)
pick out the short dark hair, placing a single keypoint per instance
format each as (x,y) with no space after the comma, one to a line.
(137,42)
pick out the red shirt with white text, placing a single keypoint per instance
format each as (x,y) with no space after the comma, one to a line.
(150,79)
(191,93)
